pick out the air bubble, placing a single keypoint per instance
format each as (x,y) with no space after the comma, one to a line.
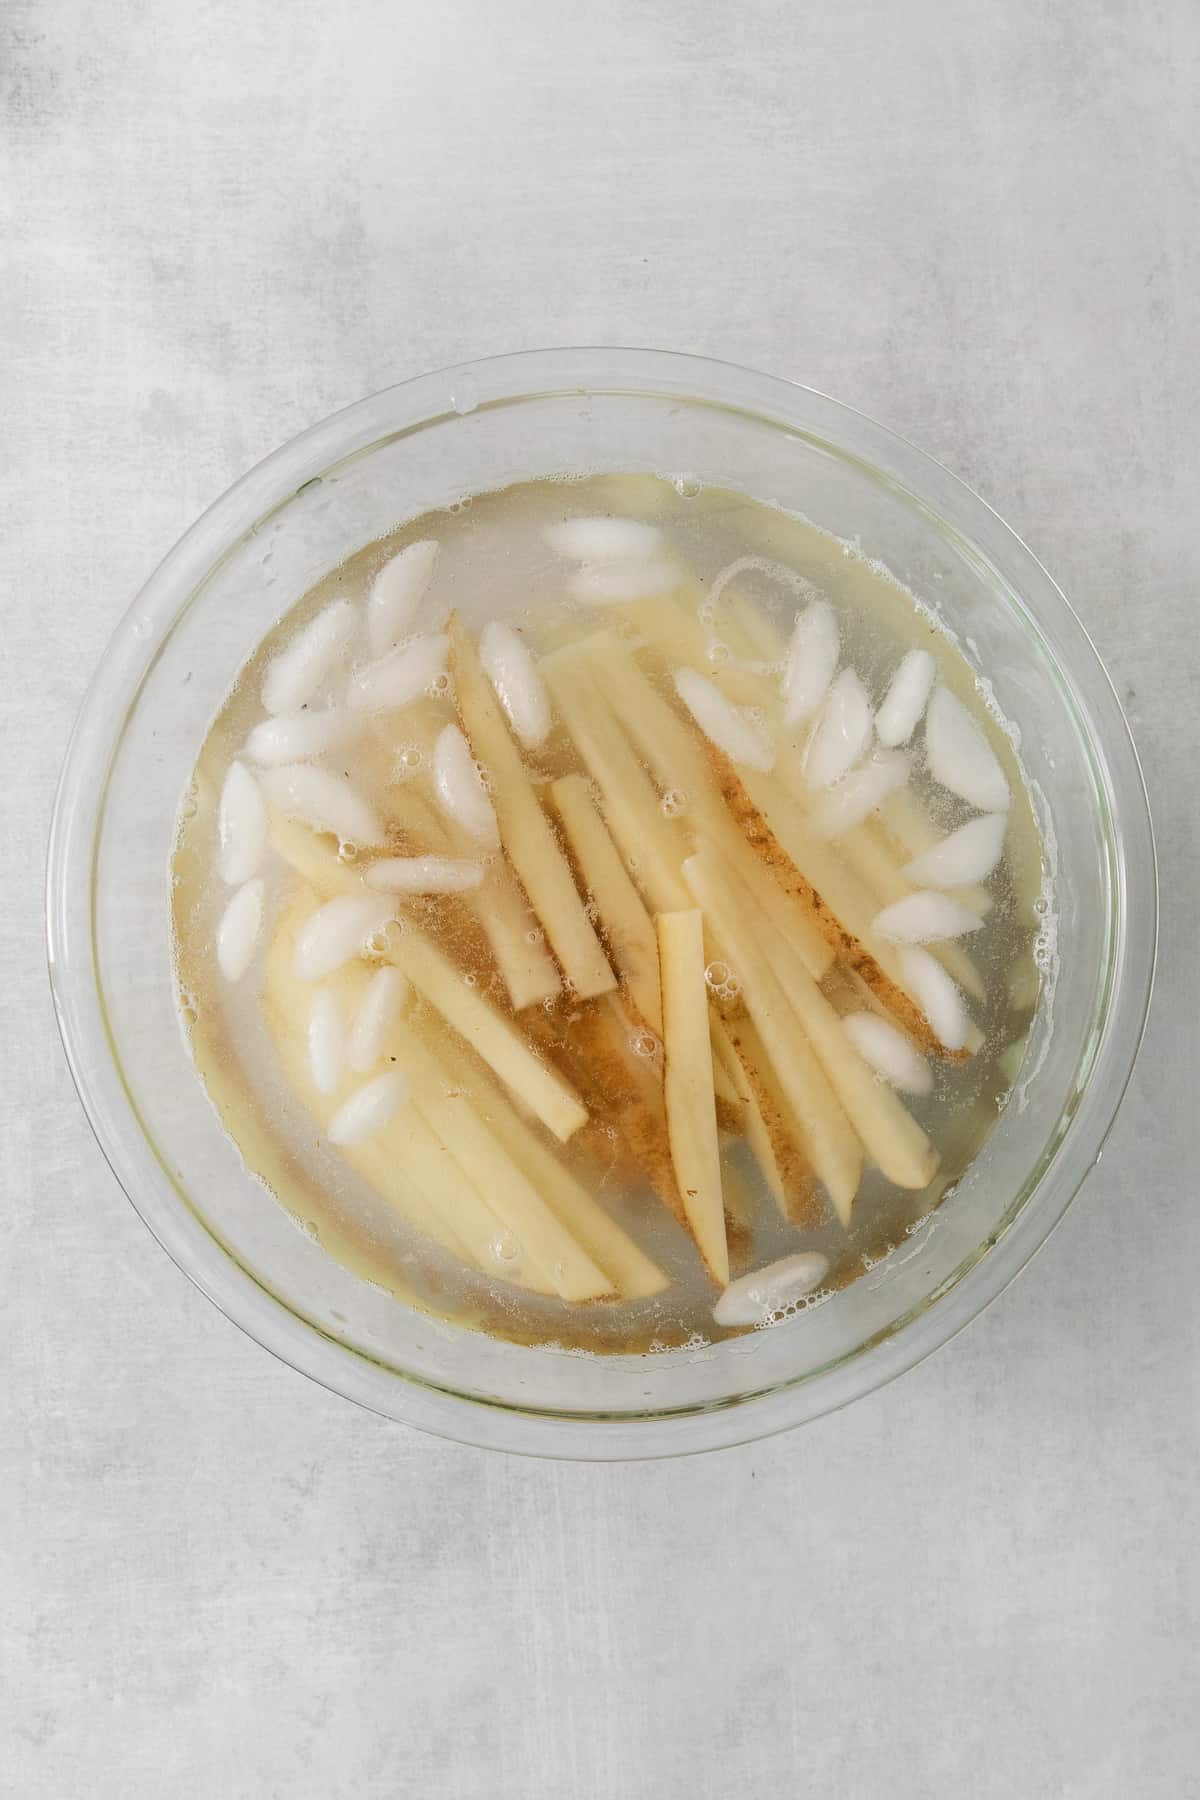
(718,652)
(505,1248)
(717,974)
(708,613)
(534,936)
(190,802)
(408,760)
(347,852)
(1041,906)
(643,1043)
(376,944)
(674,803)
(471,980)
(686,486)
(459,506)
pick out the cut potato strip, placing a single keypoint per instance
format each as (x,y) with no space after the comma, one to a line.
(731,1113)
(496,1038)
(770,1134)
(828,1135)
(650,842)
(404,1162)
(541,1088)
(525,830)
(627,927)
(688,1085)
(840,904)
(633,1273)
(451,1112)
(890,1134)
(681,764)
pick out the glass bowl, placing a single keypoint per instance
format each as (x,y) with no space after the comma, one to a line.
(428,443)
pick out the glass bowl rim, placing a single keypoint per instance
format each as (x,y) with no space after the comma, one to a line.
(78,819)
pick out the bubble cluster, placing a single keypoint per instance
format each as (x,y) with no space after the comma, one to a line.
(190,802)
(438,686)
(674,803)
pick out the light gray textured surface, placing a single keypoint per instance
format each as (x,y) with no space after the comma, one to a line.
(980,224)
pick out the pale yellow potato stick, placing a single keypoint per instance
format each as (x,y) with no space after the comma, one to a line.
(497,1039)
(633,1273)
(525,831)
(651,843)
(624,921)
(842,906)
(891,1135)
(829,1138)
(726,1056)
(539,1086)
(405,1161)
(680,763)
(451,1112)
(688,1086)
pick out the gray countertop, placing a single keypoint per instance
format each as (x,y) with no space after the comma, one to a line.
(979,224)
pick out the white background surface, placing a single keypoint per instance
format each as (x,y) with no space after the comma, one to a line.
(980,224)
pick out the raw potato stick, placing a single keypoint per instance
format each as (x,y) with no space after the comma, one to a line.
(526,967)
(651,843)
(891,1135)
(404,1161)
(542,1089)
(633,1273)
(626,924)
(772,1131)
(688,1086)
(829,1137)
(841,906)
(525,831)
(497,1039)
(451,1112)
(680,762)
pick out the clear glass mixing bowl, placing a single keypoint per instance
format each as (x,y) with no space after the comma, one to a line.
(427,443)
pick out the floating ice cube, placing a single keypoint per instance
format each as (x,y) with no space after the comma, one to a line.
(761,1296)
(967,855)
(519,688)
(326,1041)
(812,661)
(241,826)
(400,677)
(960,757)
(377,1013)
(842,734)
(604,540)
(926,917)
(369,1109)
(889,1053)
(295,674)
(396,594)
(294,737)
(610,583)
(857,795)
(720,721)
(239,929)
(325,801)
(337,931)
(906,698)
(459,787)
(937,996)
